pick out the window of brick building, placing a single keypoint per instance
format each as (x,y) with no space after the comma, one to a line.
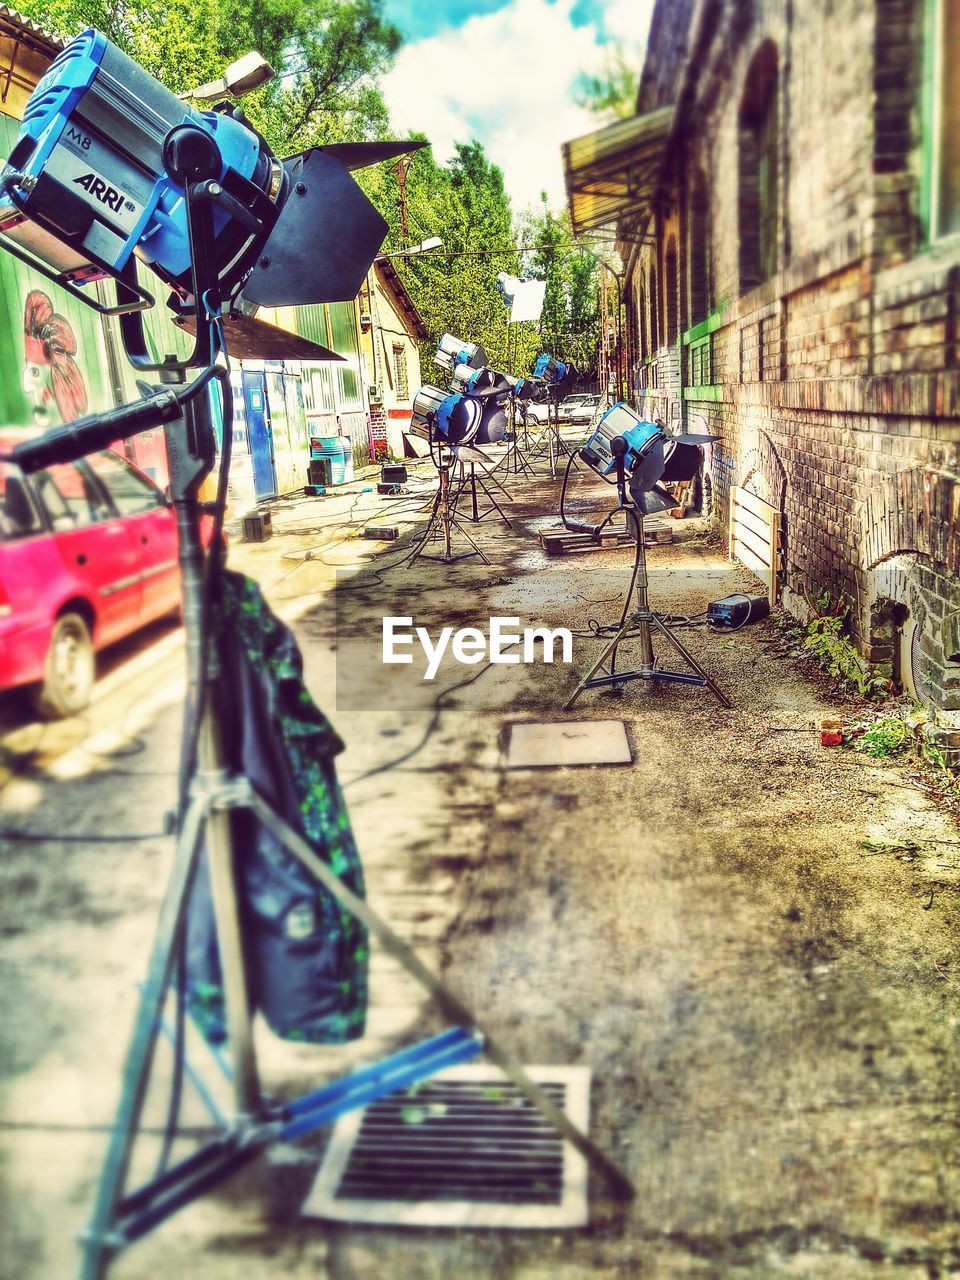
(654,312)
(644,347)
(698,263)
(671,293)
(943,117)
(758,195)
(400,372)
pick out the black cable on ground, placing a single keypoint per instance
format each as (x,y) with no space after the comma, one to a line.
(434,720)
(71,837)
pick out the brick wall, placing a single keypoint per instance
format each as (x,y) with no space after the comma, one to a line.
(378,429)
(836,381)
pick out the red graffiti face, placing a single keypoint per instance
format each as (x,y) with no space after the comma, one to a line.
(51,375)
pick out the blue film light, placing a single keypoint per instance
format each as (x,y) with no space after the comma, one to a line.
(110,167)
(619,420)
(458,419)
(556,373)
(96,169)
(452,352)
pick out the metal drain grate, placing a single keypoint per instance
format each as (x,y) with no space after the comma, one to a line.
(464,1149)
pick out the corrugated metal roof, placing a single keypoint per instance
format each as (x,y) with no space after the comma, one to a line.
(27,25)
(26,50)
(614,171)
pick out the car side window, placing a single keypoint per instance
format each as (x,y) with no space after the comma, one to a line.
(130,492)
(19,517)
(69,497)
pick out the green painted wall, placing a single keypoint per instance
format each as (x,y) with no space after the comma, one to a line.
(71,328)
(74,336)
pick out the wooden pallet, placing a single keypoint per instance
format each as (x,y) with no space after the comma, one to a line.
(562,542)
(755,537)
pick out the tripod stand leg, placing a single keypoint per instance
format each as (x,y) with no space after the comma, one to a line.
(99,1247)
(455,524)
(491,475)
(478,515)
(220,858)
(691,661)
(426,533)
(620,1186)
(496,505)
(604,653)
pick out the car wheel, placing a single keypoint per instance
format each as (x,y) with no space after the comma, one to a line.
(70,669)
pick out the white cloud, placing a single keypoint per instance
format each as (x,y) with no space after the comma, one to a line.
(507,78)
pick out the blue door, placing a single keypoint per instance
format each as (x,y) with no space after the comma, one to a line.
(259,434)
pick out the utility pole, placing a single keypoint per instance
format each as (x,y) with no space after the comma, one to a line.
(401,168)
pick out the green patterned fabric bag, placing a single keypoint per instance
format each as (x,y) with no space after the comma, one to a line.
(306,956)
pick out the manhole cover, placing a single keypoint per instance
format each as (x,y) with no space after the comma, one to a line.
(568,742)
(465,1149)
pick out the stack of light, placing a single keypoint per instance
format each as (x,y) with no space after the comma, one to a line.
(452,352)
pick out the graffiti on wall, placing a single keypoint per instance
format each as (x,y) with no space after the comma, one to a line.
(52,380)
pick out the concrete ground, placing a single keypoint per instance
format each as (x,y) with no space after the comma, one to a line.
(751,940)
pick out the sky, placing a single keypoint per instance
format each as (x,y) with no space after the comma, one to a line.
(504,71)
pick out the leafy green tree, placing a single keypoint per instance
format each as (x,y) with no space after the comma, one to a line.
(569,326)
(466,205)
(328,55)
(614,91)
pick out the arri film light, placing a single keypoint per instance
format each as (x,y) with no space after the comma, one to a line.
(559,375)
(106,165)
(650,456)
(453,351)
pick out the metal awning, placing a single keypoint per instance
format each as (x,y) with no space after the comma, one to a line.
(26,50)
(612,174)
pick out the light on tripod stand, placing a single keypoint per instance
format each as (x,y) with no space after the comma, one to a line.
(110,164)
(557,374)
(480,382)
(649,456)
(491,388)
(425,405)
(493,423)
(458,419)
(452,351)
(637,454)
(523,389)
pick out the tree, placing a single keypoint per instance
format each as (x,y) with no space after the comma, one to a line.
(328,55)
(613,92)
(466,205)
(570,323)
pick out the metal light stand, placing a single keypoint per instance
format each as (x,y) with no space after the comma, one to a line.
(121,1217)
(443,522)
(550,438)
(472,484)
(638,623)
(519,459)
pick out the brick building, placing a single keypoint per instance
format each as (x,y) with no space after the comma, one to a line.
(787,207)
(393,330)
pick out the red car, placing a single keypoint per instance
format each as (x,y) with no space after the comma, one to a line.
(88,553)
